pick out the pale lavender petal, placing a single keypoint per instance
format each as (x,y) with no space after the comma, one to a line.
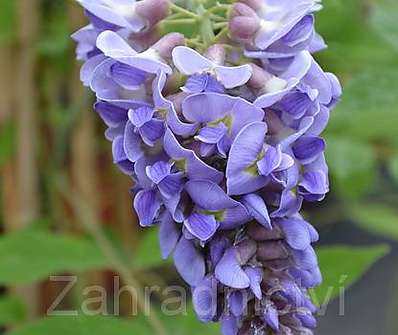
(140,116)
(152,131)
(88,69)
(212,135)
(209,195)
(193,166)
(120,13)
(271,160)
(229,271)
(127,76)
(201,226)
(229,325)
(119,155)
(171,185)
(173,121)
(296,233)
(115,47)
(147,205)
(168,235)
(132,143)
(189,61)
(307,148)
(243,155)
(237,303)
(158,171)
(189,262)
(313,183)
(204,299)
(288,205)
(235,217)
(305,259)
(258,209)
(271,317)
(112,115)
(256,276)
(232,77)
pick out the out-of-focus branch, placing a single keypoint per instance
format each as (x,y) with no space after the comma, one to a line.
(27,127)
(84,148)
(7,170)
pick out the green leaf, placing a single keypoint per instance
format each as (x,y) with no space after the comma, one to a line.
(369,109)
(352,166)
(384,19)
(12,310)
(393,166)
(188,323)
(7,20)
(342,266)
(107,325)
(29,255)
(148,253)
(81,325)
(377,219)
(7,141)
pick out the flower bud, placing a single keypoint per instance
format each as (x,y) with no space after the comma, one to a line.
(269,251)
(167,43)
(246,250)
(216,53)
(152,11)
(254,4)
(259,77)
(243,28)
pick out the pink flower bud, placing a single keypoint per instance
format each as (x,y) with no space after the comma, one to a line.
(254,4)
(259,77)
(167,43)
(243,28)
(152,11)
(240,9)
(216,53)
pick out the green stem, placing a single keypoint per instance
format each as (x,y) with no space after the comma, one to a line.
(221,34)
(182,10)
(180,21)
(206,26)
(220,25)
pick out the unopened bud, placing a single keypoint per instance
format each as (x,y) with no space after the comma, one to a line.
(243,28)
(269,251)
(246,250)
(259,78)
(240,9)
(167,43)
(216,53)
(254,4)
(152,11)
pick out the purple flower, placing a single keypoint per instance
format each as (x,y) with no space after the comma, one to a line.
(251,163)
(86,39)
(190,62)
(220,117)
(278,29)
(135,16)
(222,159)
(116,48)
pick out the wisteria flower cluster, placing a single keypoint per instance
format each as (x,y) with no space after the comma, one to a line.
(221,133)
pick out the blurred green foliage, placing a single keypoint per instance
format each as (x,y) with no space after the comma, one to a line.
(341,267)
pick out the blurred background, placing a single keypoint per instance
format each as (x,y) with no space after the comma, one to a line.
(66,210)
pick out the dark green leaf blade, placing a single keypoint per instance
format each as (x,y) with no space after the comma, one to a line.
(342,266)
(377,219)
(30,255)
